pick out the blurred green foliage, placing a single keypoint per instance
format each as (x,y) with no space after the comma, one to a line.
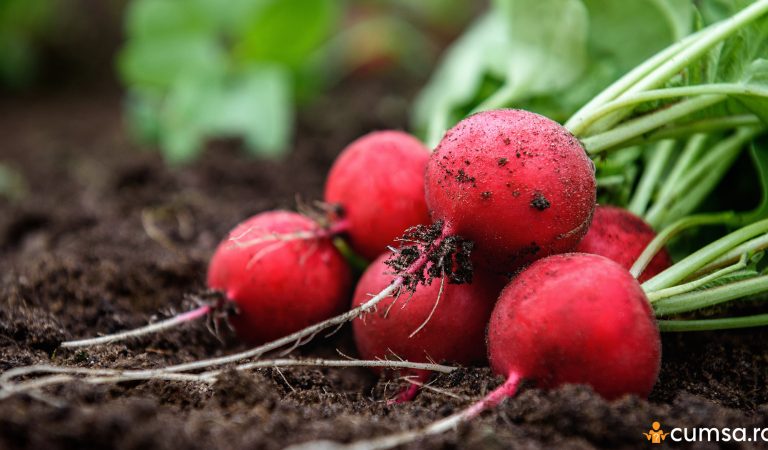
(22,24)
(547,56)
(197,69)
(12,184)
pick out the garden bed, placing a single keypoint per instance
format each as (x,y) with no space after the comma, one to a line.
(107,237)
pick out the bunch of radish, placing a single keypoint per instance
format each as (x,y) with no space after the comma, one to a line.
(503,189)
(491,247)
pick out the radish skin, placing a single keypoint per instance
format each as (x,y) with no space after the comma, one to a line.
(576,318)
(422,326)
(519,185)
(279,285)
(378,184)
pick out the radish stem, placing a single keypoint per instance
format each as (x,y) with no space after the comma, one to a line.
(695,284)
(757,244)
(692,301)
(676,92)
(727,323)
(664,65)
(690,154)
(649,180)
(686,129)
(692,263)
(618,136)
(673,230)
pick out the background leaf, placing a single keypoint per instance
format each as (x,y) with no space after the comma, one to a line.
(551,66)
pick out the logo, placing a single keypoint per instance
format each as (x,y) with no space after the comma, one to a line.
(656,435)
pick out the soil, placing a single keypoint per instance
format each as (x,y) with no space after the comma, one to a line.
(107,237)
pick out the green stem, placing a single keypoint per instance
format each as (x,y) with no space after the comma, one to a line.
(622,84)
(700,188)
(620,135)
(699,126)
(698,283)
(673,230)
(651,176)
(728,323)
(692,263)
(712,35)
(691,152)
(687,193)
(692,301)
(755,245)
(674,62)
(668,93)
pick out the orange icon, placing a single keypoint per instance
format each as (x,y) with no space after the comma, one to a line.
(656,434)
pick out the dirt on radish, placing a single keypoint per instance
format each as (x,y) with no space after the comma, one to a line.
(107,237)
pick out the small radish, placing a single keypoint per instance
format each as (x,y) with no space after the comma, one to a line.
(437,322)
(575,318)
(518,185)
(622,236)
(378,185)
(280,280)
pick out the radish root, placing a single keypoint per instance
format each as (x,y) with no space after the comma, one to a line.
(63,374)
(141,331)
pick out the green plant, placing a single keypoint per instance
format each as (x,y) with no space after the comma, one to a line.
(198,69)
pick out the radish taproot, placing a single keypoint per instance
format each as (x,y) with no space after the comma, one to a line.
(280,280)
(439,321)
(518,185)
(622,236)
(377,183)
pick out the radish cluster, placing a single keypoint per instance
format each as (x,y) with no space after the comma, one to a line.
(506,193)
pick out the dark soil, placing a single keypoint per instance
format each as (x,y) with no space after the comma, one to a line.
(107,238)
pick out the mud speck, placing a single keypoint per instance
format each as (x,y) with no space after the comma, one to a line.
(540,202)
(462,177)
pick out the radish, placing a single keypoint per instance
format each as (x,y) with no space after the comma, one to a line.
(422,326)
(377,184)
(280,280)
(622,236)
(518,185)
(575,318)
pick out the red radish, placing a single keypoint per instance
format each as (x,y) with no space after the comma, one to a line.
(622,236)
(427,325)
(575,318)
(519,185)
(378,182)
(280,280)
